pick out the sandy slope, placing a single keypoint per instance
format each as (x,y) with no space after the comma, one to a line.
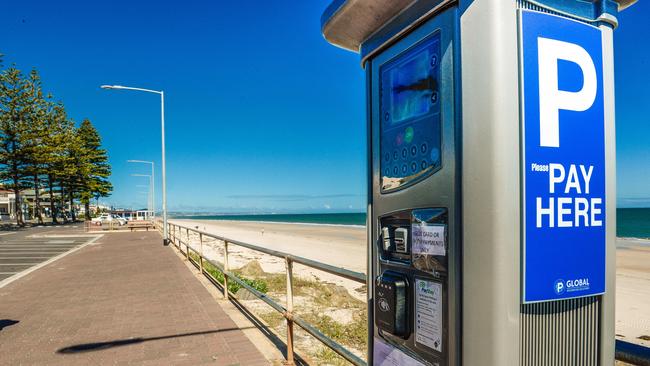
(345,246)
(342,246)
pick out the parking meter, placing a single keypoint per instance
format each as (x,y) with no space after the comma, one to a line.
(491,178)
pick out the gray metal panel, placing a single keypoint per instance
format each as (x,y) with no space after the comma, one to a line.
(572,332)
(438,190)
(561,333)
(608,299)
(491,187)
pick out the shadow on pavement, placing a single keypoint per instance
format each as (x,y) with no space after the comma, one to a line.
(7,323)
(89,347)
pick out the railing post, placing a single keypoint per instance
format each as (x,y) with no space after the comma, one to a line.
(201,253)
(225,269)
(187,243)
(289,267)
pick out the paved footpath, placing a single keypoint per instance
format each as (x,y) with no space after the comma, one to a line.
(26,248)
(123,299)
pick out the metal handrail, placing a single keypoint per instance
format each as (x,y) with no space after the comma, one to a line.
(287,312)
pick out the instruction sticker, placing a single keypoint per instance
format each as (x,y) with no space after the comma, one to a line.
(428,239)
(428,313)
(386,355)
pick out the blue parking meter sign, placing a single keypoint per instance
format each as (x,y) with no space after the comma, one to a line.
(563,163)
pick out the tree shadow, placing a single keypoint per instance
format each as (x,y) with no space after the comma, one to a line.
(99,346)
(7,323)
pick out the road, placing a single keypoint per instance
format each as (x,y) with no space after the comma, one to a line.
(23,249)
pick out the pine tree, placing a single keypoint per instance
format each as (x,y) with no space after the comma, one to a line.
(72,167)
(14,115)
(96,169)
(33,139)
(57,123)
(40,144)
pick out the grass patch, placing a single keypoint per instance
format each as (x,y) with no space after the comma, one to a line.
(258,284)
(326,356)
(352,335)
(272,318)
(322,296)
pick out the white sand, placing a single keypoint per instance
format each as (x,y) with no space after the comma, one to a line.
(340,246)
(345,246)
(633,290)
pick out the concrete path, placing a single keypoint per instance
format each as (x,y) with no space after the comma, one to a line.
(124,299)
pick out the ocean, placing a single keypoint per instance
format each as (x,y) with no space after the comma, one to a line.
(631,222)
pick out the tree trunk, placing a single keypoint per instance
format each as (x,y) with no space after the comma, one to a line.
(62,199)
(37,201)
(52,204)
(72,213)
(87,209)
(19,209)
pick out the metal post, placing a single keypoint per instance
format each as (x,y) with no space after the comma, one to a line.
(153,192)
(187,247)
(225,269)
(289,267)
(150,203)
(164,184)
(187,243)
(162,134)
(201,254)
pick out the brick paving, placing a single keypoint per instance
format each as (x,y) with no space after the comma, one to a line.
(124,299)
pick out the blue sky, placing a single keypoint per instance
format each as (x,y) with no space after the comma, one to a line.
(262,114)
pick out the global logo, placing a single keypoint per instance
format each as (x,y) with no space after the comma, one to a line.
(579,284)
(558,286)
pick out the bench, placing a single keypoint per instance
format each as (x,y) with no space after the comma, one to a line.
(140,225)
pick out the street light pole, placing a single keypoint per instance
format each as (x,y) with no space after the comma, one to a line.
(148,194)
(164,180)
(162,124)
(153,185)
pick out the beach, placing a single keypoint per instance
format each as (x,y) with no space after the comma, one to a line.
(633,290)
(338,245)
(345,246)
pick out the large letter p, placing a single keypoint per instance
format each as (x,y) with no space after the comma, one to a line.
(551,99)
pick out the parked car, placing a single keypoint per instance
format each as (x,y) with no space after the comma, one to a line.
(107,218)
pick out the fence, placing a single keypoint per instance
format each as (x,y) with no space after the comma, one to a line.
(175,231)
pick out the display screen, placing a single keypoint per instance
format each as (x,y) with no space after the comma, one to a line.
(411,87)
(410,114)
